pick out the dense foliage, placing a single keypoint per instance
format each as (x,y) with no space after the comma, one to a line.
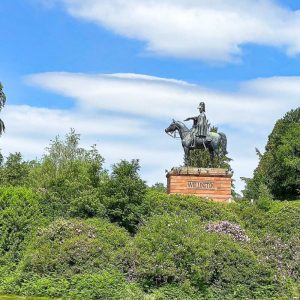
(279,166)
(70,229)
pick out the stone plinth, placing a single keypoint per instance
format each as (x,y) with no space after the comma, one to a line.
(210,183)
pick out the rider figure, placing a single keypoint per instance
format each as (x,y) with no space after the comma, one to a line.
(200,125)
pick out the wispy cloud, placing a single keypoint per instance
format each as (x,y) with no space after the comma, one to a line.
(255,102)
(203,29)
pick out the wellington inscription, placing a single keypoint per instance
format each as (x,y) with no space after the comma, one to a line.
(200,185)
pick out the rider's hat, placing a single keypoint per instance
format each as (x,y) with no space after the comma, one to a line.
(201,105)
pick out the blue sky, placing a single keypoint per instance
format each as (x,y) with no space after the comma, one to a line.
(119,71)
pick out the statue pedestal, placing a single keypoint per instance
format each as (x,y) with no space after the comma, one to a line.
(209,183)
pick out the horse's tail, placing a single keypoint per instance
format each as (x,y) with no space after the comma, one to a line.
(223,143)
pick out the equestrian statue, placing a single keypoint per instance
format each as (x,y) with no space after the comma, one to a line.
(199,136)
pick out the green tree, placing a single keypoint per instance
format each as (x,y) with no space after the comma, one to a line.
(200,158)
(67,171)
(2,103)
(15,171)
(158,186)
(279,166)
(124,194)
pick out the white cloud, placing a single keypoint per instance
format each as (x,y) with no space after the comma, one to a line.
(202,29)
(253,103)
(29,129)
(247,115)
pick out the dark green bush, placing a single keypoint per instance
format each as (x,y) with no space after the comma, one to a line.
(281,255)
(68,247)
(252,218)
(104,285)
(176,292)
(174,248)
(265,199)
(44,286)
(20,214)
(87,205)
(284,220)
(159,203)
(124,195)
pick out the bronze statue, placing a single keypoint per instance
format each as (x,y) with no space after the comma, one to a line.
(199,136)
(200,124)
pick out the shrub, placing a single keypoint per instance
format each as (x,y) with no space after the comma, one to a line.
(87,205)
(252,218)
(282,255)
(175,248)
(105,285)
(124,194)
(265,198)
(175,292)
(284,220)
(68,247)
(20,214)
(159,203)
(233,230)
(44,286)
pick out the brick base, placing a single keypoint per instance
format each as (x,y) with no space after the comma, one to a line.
(211,183)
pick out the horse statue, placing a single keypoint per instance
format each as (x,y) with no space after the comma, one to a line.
(216,143)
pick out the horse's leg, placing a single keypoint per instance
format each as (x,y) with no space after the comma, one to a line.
(186,156)
(211,154)
(218,150)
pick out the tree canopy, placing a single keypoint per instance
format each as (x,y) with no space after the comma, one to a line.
(279,166)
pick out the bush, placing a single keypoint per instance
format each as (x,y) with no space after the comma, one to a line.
(282,255)
(20,214)
(283,220)
(68,247)
(252,218)
(175,292)
(105,285)
(159,203)
(233,230)
(124,194)
(87,205)
(176,248)
(265,198)
(44,286)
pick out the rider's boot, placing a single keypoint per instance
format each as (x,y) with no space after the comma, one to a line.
(193,145)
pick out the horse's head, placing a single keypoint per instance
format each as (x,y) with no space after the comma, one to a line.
(172,127)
